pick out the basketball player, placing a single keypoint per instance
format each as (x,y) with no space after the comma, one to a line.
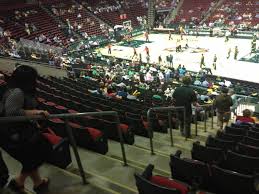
(146,36)
(159,60)
(170,35)
(178,45)
(181,30)
(229,53)
(236,53)
(202,64)
(147,51)
(140,59)
(134,52)
(227,34)
(109,49)
(214,62)
(128,39)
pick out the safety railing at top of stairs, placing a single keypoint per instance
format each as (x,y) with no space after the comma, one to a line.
(169,110)
(69,131)
(206,108)
(209,108)
(178,110)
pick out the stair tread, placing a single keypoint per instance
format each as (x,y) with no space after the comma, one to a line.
(61,181)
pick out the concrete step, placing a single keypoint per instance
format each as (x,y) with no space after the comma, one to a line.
(61,181)
(139,156)
(110,167)
(111,171)
(161,145)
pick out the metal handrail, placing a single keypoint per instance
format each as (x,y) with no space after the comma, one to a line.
(240,101)
(205,117)
(168,109)
(72,140)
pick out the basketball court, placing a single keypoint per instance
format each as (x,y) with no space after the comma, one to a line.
(244,68)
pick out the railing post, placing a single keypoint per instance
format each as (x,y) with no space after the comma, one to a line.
(170,127)
(74,146)
(184,123)
(205,120)
(121,140)
(150,131)
(196,122)
(212,117)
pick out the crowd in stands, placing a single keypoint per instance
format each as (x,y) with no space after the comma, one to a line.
(77,19)
(25,23)
(194,11)
(8,46)
(116,12)
(236,13)
(166,4)
(124,79)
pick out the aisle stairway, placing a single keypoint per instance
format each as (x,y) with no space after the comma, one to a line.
(107,174)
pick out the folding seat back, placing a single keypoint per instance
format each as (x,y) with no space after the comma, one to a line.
(137,125)
(248,150)
(229,182)
(193,172)
(241,125)
(250,141)
(146,186)
(235,131)
(253,134)
(218,143)
(60,153)
(229,137)
(208,155)
(111,131)
(57,125)
(59,110)
(49,106)
(90,138)
(241,163)
(255,129)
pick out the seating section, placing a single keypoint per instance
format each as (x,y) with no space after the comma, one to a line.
(210,155)
(130,112)
(165,4)
(77,17)
(30,23)
(116,12)
(236,12)
(193,10)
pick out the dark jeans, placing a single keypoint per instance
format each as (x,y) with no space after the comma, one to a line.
(188,120)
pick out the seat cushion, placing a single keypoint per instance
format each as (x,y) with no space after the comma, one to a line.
(95,133)
(169,183)
(53,139)
(124,127)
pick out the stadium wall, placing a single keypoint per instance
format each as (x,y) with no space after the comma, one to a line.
(44,70)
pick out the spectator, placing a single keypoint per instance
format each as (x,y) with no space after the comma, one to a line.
(222,103)
(246,118)
(23,140)
(34,28)
(185,96)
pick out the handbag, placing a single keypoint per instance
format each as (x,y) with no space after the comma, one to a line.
(60,153)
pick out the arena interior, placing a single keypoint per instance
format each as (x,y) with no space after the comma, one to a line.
(129,96)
